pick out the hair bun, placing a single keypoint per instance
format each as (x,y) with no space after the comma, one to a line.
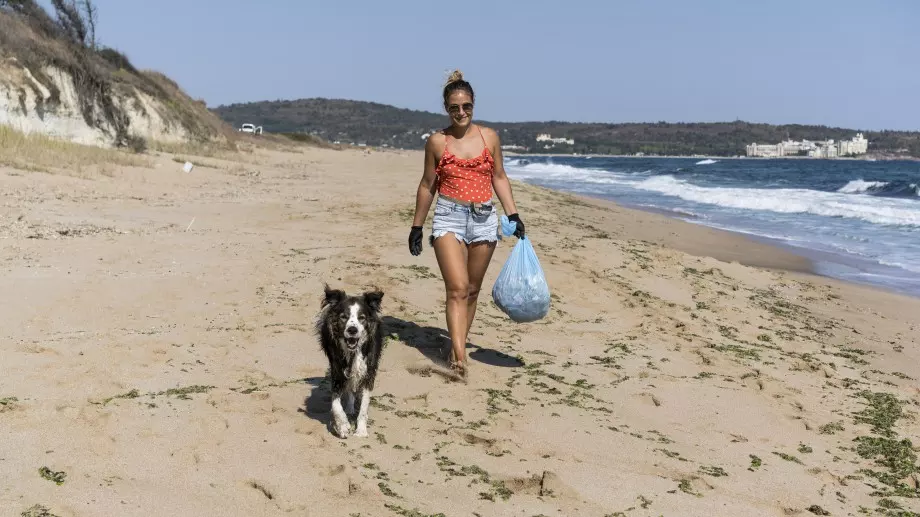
(454,83)
(455,76)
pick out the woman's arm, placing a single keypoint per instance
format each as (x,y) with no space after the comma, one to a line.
(500,181)
(427,186)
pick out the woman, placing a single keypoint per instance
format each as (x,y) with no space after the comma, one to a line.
(463,163)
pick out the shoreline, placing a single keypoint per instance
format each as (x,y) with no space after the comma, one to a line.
(700,240)
(817,260)
(824,264)
(745,249)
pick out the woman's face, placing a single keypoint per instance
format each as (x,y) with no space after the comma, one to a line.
(460,108)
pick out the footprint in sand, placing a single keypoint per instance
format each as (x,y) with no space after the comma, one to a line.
(342,480)
(492,446)
(547,484)
(425,370)
(649,398)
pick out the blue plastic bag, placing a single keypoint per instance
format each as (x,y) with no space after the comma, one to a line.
(520,290)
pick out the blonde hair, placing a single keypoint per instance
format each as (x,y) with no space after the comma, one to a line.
(455,76)
(456,82)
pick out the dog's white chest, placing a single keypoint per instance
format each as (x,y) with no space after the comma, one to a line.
(358,371)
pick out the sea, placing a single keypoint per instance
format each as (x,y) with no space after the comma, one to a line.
(857,220)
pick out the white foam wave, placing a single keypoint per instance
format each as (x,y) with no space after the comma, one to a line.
(686,212)
(861,187)
(913,267)
(673,210)
(708,161)
(567,173)
(885,211)
(873,209)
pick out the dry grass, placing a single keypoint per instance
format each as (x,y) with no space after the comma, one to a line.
(222,150)
(312,140)
(38,152)
(241,146)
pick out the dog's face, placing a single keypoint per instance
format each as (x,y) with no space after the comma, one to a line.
(351,318)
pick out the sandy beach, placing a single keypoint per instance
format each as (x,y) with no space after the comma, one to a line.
(159,357)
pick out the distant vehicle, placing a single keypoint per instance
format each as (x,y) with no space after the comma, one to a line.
(251,128)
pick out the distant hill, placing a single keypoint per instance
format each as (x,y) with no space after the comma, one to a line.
(376,124)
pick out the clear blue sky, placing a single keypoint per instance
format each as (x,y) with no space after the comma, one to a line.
(836,62)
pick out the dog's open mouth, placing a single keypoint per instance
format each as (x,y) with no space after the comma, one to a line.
(351,342)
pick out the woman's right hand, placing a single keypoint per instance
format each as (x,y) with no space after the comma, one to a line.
(415,241)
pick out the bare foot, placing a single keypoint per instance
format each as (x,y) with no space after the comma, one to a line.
(459,368)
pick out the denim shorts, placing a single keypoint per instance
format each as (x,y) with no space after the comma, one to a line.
(468,224)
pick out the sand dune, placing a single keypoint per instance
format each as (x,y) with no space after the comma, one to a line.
(158,358)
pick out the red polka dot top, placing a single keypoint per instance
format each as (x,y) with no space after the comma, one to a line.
(466,179)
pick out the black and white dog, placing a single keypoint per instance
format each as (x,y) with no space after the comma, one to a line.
(351,334)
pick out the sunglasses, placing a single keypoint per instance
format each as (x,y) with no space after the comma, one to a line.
(454,108)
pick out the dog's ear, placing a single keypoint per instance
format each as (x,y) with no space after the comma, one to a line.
(373,299)
(332,296)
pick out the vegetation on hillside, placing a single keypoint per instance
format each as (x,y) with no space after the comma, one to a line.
(337,120)
(37,40)
(378,124)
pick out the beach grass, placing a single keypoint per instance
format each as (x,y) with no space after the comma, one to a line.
(41,153)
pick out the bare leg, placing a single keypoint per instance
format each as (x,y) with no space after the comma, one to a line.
(361,427)
(451,255)
(340,423)
(477,263)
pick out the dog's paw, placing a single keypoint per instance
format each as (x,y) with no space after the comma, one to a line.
(341,430)
(361,432)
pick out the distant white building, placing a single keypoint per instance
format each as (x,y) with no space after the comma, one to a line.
(546,137)
(825,149)
(764,150)
(857,145)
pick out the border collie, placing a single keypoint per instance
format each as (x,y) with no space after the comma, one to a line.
(351,335)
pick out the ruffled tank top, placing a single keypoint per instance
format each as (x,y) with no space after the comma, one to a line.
(466,179)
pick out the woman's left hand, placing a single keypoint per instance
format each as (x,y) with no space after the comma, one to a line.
(519,225)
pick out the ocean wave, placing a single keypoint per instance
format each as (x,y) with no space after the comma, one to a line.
(673,210)
(895,212)
(568,173)
(515,162)
(708,161)
(881,188)
(861,186)
(549,170)
(905,265)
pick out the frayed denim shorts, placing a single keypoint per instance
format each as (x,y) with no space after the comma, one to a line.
(469,224)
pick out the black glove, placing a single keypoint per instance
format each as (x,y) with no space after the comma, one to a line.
(519,230)
(415,240)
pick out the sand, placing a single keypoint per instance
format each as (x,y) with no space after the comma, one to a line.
(158,357)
